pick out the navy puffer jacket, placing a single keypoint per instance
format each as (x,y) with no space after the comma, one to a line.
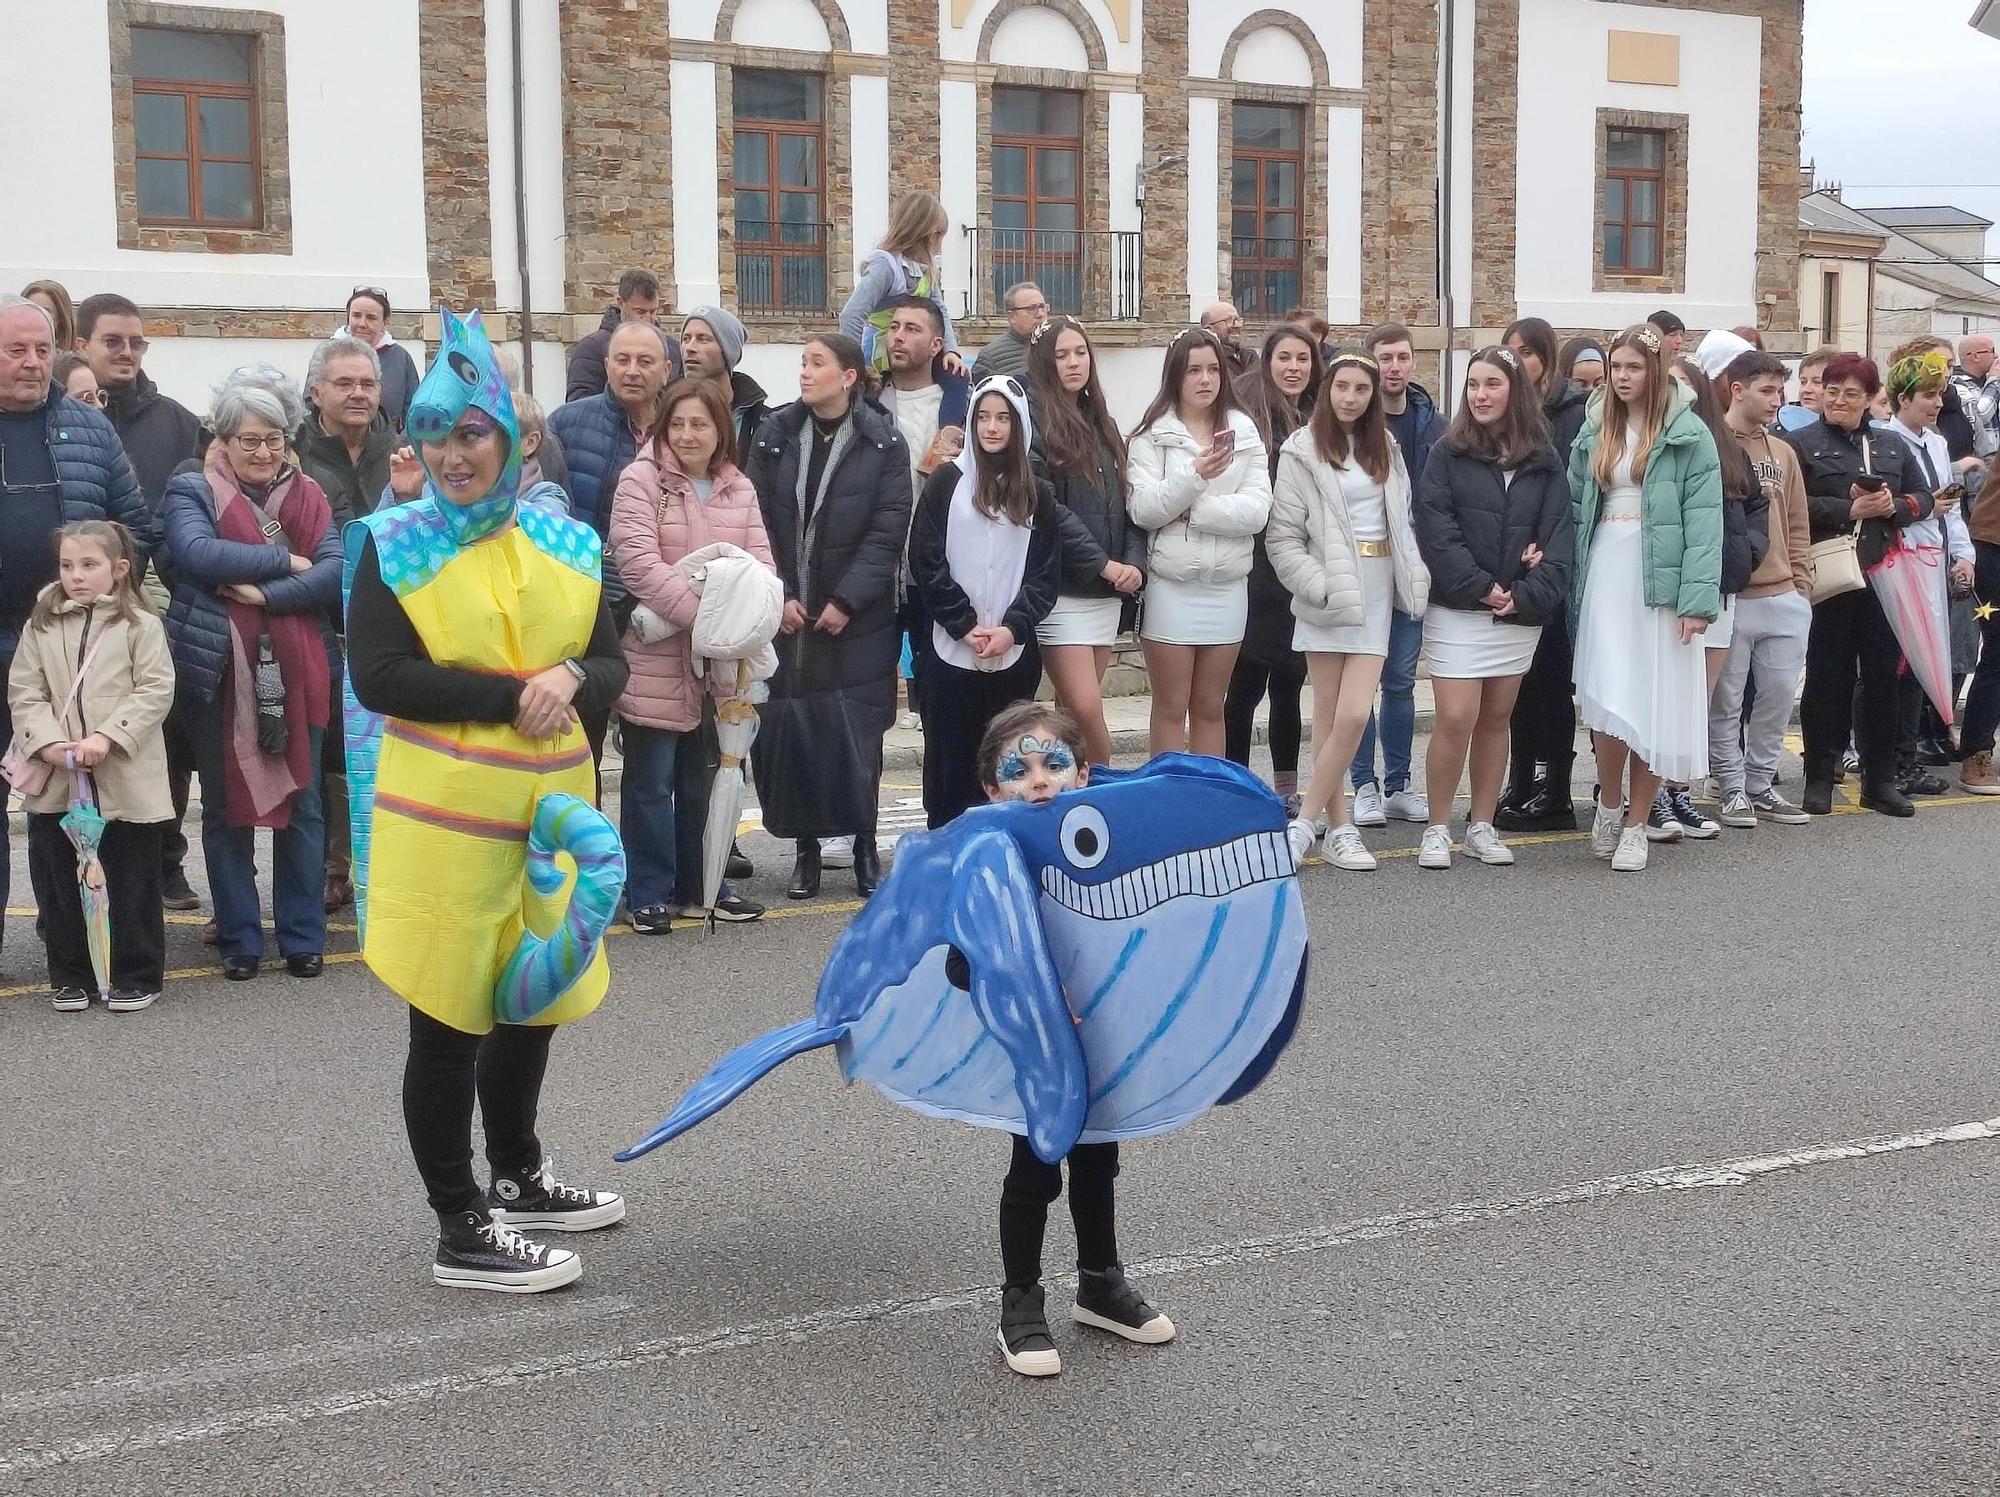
(198,620)
(597,441)
(96,480)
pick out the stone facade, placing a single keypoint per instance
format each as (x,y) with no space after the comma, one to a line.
(1399,153)
(458,229)
(618,202)
(913,95)
(1163,67)
(1496,99)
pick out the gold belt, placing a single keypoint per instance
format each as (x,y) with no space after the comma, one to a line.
(1372,548)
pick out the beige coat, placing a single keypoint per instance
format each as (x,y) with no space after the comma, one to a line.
(1311,538)
(125,697)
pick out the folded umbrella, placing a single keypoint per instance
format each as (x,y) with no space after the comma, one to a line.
(735,730)
(83,823)
(1909,583)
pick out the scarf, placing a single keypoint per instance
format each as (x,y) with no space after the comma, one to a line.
(260,786)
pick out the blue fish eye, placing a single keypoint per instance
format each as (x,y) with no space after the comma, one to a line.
(1086,840)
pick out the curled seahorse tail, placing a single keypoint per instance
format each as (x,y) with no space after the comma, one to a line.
(543,968)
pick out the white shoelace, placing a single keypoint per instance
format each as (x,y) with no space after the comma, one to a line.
(545,1176)
(506,1240)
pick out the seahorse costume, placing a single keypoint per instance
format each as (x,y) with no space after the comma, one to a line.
(467,911)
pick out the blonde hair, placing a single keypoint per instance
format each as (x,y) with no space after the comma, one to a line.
(118,546)
(1650,414)
(916,224)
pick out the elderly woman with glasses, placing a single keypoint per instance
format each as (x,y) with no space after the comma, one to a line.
(1866,482)
(255,560)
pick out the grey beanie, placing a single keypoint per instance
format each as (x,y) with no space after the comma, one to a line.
(727,327)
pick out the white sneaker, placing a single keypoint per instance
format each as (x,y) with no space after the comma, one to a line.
(1302,837)
(1631,854)
(1736,810)
(1483,843)
(1345,849)
(1368,806)
(1436,850)
(1604,829)
(836,852)
(1407,805)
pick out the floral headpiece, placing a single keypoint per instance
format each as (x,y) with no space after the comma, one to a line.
(1923,372)
(1649,340)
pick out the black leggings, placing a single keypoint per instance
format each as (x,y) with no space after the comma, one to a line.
(1024,1209)
(1248,684)
(1543,728)
(445,1069)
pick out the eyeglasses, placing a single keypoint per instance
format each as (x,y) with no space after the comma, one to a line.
(21,488)
(275,442)
(1040,307)
(96,397)
(118,343)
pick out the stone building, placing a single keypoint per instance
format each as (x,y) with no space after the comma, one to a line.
(238,167)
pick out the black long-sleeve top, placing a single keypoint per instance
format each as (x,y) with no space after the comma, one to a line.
(394,675)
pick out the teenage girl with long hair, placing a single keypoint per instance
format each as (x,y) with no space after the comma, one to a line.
(1199,482)
(1079,449)
(1279,395)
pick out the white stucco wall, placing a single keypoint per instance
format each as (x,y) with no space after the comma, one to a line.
(781,23)
(1039,38)
(541,50)
(1343,215)
(868,155)
(1562,71)
(697,246)
(1269,55)
(777,23)
(961,44)
(1335,24)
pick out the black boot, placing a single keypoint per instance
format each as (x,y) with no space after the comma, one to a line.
(1818,800)
(805,872)
(867,863)
(1880,795)
(1523,784)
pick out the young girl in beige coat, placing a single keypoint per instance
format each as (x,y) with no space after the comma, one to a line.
(91,623)
(1342,542)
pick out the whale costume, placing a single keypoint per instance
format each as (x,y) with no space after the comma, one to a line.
(485,879)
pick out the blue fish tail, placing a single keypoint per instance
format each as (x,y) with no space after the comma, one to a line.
(732,1076)
(1260,1067)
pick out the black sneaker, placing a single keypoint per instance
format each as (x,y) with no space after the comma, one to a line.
(1693,822)
(129,1000)
(652,919)
(476,1252)
(69,1000)
(1109,1302)
(540,1202)
(1024,1334)
(176,894)
(739,865)
(1923,782)
(1663,825)
(730,907)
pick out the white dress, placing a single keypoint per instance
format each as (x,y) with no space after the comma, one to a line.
(1635,680)
(1081,621)
(1368,512)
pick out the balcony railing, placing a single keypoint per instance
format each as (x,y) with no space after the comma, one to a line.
(781,267)
(1092,274)
(1267,277)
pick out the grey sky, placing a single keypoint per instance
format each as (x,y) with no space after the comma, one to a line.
(1892,94)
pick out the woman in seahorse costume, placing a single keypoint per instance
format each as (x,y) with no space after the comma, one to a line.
(476,635)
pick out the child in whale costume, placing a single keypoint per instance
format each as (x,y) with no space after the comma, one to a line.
(1093,958)
(477,633)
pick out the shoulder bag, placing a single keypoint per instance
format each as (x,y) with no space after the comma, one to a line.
(1837,560)
(29,773)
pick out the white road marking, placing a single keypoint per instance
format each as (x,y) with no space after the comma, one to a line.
(139,1439)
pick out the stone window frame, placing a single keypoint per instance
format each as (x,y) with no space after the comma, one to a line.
(1673,128)
(833,69)
(1316,213)
(267,29)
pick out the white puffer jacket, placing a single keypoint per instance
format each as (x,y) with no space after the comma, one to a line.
(1311,538)
(1197,531)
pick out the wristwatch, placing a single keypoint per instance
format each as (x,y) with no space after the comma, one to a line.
(577,670)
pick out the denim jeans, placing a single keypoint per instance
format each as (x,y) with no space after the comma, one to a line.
(662,812)
(1399,708)
(298,852)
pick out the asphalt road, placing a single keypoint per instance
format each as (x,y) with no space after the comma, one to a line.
(1468,1238)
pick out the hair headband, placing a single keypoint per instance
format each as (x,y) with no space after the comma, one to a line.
(1647,339)
(1360,360)
(1506,356)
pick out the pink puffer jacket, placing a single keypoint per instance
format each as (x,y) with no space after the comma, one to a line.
(655,521)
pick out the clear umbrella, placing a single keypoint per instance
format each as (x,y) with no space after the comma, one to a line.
(84,825)
(735,730)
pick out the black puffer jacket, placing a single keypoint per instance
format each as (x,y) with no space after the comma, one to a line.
(158,432)
(353,488)
(1095,529)
(1473,526)
(1746,534)
(1564,412)
(1830,461)
(853,552)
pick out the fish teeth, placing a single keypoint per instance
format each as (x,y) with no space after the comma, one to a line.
(1209,871)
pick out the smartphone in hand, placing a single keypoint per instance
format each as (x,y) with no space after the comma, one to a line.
(1225,439)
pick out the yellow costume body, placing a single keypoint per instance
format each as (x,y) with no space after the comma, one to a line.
(447,899)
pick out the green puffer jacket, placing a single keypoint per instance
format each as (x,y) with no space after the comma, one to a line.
(1680,511)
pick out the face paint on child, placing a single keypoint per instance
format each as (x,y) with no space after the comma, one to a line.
(1036,770)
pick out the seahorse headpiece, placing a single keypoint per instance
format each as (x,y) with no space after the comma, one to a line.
(465,378)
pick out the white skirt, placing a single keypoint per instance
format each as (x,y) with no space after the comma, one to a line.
(1722,633)
(1469,644)
(1635,680)
(1371,635)
(1195,613)
(1081,621)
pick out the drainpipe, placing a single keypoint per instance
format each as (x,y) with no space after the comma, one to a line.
(1447,89)
(521,202)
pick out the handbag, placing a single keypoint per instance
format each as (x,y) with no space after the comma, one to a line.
(29,773)
(1837,560)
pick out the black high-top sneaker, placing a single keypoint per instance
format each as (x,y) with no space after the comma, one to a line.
(1024,1334)
(539,1202)
(1108,1301)
(477,1252)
